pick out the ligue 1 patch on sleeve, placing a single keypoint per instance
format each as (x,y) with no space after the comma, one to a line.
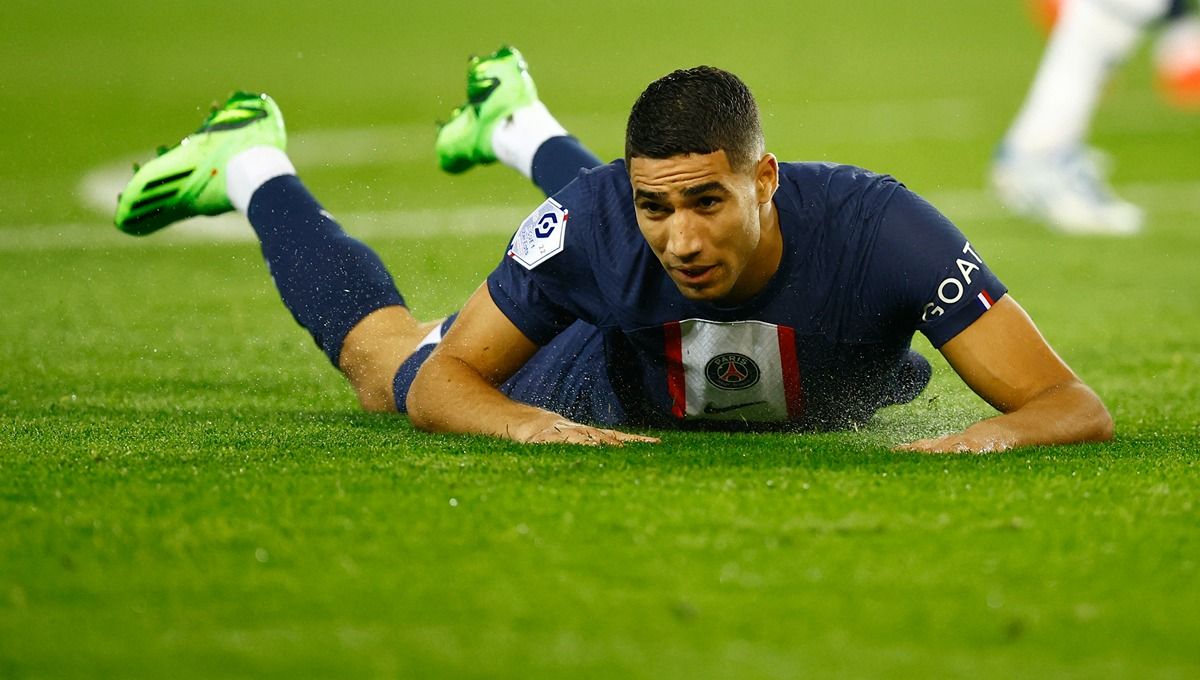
(541,235)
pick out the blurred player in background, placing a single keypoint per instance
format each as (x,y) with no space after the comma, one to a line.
(1044,168)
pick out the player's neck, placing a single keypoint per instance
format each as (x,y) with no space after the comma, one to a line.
(767,256)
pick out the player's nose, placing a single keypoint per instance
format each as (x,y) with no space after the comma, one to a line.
(684,237)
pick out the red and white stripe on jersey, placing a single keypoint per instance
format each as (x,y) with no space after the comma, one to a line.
(985,300)
(736,370)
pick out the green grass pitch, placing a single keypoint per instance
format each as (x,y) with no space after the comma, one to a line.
(188,490)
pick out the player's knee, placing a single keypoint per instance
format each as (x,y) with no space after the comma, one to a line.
(373,352)
(372,383)
(376,398)
(371,377)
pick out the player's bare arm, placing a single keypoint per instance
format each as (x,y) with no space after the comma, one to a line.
(1006,361)
(456,388)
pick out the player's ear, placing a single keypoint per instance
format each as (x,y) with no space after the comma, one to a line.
(766,178)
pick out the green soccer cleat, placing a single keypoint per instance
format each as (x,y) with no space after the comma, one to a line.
(189,179)
(497,85)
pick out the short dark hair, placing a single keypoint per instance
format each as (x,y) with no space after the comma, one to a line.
(697,110)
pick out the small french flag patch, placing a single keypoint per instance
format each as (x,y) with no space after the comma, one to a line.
(985,300)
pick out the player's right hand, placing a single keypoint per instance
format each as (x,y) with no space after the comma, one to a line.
(559,430)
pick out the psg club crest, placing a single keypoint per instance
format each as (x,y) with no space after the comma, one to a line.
(731,371)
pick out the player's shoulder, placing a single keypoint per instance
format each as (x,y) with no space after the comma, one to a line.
(591,214)
(600,198)
(832,177)
(596,186)
(823,187)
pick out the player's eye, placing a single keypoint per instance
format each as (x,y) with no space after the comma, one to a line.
(708,202)
(651,208)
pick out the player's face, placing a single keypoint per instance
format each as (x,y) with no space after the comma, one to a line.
(713,229)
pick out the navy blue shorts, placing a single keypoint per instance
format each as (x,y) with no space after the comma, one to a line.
(568,376)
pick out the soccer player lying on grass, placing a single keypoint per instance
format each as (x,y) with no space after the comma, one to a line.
(698,283)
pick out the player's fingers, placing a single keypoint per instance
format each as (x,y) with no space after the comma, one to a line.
(938,445)
(571,433)
(566,432)
(631,437)
(603,437)
(556,435)
(593,437)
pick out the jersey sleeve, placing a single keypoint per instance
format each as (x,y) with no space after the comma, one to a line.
(543,279)
(939,282)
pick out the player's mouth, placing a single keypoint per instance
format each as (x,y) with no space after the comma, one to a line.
(694,276)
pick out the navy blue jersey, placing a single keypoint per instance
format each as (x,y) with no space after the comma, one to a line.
(865,264)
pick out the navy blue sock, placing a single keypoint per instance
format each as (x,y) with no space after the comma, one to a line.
(558,160)
(327,280)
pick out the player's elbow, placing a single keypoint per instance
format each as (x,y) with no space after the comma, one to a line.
(1103,424)
(1098,425)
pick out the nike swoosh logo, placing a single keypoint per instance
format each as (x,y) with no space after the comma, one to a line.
(482,90)
(713,409)
(235,118)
